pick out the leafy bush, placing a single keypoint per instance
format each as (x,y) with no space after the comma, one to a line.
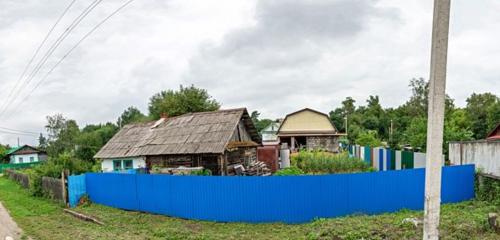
(53,168)
(317,162)
(289,171)
(488,189)
(368,138)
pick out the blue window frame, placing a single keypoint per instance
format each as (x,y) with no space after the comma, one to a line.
(119,165)
(128,164)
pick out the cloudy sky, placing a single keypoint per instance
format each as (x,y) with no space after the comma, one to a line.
(266,55)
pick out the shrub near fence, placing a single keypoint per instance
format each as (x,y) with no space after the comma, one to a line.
(291,199)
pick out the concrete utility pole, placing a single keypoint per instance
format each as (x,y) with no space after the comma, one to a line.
(435,118)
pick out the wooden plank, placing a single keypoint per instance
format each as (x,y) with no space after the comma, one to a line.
(83,217)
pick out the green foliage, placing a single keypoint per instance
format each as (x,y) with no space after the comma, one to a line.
(53,167)
(291,171)
(318,162)
(202,172)
(368,138)
(416,133)
(259,124)
(409,120)
(488,189)
(185,100)
(3,152)
(62,134)
(42,142)
(92,138)
(131,115)
(483,110)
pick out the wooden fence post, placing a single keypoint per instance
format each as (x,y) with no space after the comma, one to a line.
(63,187)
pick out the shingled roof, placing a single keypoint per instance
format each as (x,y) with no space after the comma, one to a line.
(192,133)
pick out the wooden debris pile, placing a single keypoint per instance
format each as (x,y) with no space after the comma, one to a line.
(177,171)
(254,168)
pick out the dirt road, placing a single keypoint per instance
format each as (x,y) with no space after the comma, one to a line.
(8,228)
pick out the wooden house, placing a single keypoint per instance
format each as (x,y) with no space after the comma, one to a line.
(25,154)
(309,129)
(213,140)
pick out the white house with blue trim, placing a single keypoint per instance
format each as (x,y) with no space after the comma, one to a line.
(121,164)
(26,154)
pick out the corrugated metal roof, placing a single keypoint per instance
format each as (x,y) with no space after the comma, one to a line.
(193,133)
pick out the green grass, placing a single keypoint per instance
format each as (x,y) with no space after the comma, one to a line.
(43,219)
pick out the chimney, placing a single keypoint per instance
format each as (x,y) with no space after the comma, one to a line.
(163,117)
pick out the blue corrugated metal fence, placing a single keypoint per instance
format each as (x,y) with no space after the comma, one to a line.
(76,189)
(291,199)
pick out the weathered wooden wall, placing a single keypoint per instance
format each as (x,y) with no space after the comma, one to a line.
(21,178)
(53,188)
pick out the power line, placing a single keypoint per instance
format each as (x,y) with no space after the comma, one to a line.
(21,131)
(51,50)
(70,51)
(23,134)
(37,51)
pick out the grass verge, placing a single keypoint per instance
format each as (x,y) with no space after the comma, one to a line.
(43,219)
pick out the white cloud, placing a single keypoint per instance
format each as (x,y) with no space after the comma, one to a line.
(273,56)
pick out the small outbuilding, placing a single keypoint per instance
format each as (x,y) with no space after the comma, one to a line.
(25,154)
(309,129)
(214,140)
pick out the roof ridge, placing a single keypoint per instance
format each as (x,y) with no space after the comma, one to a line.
(216,111)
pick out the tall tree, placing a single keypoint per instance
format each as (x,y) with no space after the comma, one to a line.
(62,134)
(42,142)
(92,138)
(185,100)
(483,111)
(339,115)
(259,124)
(130,115)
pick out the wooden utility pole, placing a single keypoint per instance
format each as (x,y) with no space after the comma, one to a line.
(345,124)
(435,118)
(390,132)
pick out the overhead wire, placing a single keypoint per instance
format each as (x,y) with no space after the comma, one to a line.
(70,51)
(51,50)
(19,80)
(15,133)
(15,130)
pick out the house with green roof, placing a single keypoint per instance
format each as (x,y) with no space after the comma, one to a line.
(25,154)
